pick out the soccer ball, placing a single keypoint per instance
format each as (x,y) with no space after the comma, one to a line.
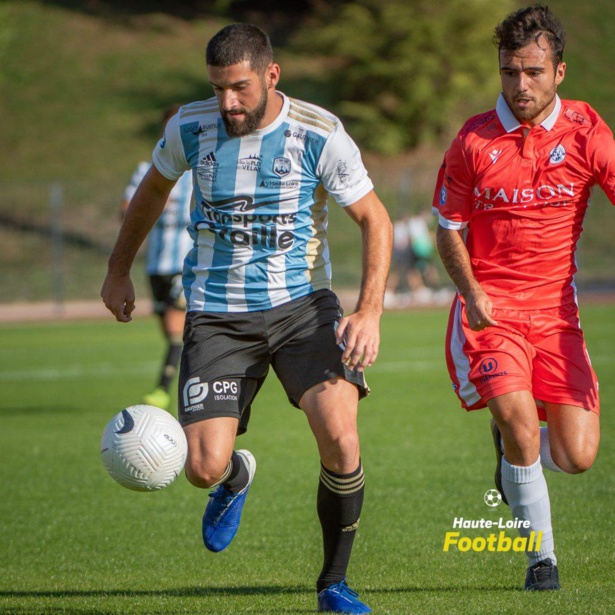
(144,448)
(493,498)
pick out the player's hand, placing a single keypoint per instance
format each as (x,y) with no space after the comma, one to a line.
(479,310)
(359,333)
(118,295)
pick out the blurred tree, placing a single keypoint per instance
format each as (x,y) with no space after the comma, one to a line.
(5,37)
(278,17)
(405,72)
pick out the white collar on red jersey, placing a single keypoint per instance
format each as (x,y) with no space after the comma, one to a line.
(510,122)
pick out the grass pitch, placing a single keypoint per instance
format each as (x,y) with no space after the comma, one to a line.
(73,541)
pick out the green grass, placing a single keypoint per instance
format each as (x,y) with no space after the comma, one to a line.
(73,541)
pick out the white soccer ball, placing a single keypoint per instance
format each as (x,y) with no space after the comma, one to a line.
(144,448)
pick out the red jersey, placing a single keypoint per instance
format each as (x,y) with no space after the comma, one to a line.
(522,194)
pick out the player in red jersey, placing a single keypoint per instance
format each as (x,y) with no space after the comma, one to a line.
(511,197)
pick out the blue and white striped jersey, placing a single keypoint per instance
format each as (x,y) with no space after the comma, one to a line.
(169,240)
(259,222)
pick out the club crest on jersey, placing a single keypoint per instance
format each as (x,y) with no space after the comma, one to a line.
(557,154)
(281,166)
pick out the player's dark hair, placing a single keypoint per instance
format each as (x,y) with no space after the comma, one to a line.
(237,43)
(528,25)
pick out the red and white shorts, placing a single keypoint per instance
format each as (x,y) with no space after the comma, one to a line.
(541,351)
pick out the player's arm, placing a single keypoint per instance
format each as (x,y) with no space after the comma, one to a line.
(360,331)
(123,208)
(145,208)
(456,261)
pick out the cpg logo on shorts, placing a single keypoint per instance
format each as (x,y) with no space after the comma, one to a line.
(225,390)
(194,393)
(494,541)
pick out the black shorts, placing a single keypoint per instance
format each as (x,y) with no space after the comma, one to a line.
(167,292)
(226,356)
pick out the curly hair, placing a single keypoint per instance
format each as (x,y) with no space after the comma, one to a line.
(526,26)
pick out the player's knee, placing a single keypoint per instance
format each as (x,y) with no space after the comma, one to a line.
(204,473)
(342,454)
(576,455)
(521,445)
(574,462)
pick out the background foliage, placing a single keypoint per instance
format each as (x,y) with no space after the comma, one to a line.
(83,83)
(407,72)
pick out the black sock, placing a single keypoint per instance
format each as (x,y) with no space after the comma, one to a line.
(340,499)
(169,367)
(239,474)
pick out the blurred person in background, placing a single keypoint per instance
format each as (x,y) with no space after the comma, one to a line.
(423,249)
(414,278)
(168,243)
(512,194)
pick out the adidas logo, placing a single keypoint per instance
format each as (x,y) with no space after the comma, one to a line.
(208,160)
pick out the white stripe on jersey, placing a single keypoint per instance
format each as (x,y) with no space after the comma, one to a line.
(244,179)
(276,275)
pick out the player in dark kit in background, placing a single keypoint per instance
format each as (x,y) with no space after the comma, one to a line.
(258,282)
(514,189)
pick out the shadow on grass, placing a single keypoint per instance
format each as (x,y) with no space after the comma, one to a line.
(251,590)
(180,592)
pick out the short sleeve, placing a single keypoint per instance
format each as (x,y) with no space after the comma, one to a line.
(438,194)
(341,169)
(168,155)
(455,194)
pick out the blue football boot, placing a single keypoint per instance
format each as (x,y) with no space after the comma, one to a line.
(223,513)
(339,598)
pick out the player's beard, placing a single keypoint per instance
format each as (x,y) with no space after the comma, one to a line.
(533,111)
(251,121)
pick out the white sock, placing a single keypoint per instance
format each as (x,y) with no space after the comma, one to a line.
(545,452)
(528,497)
